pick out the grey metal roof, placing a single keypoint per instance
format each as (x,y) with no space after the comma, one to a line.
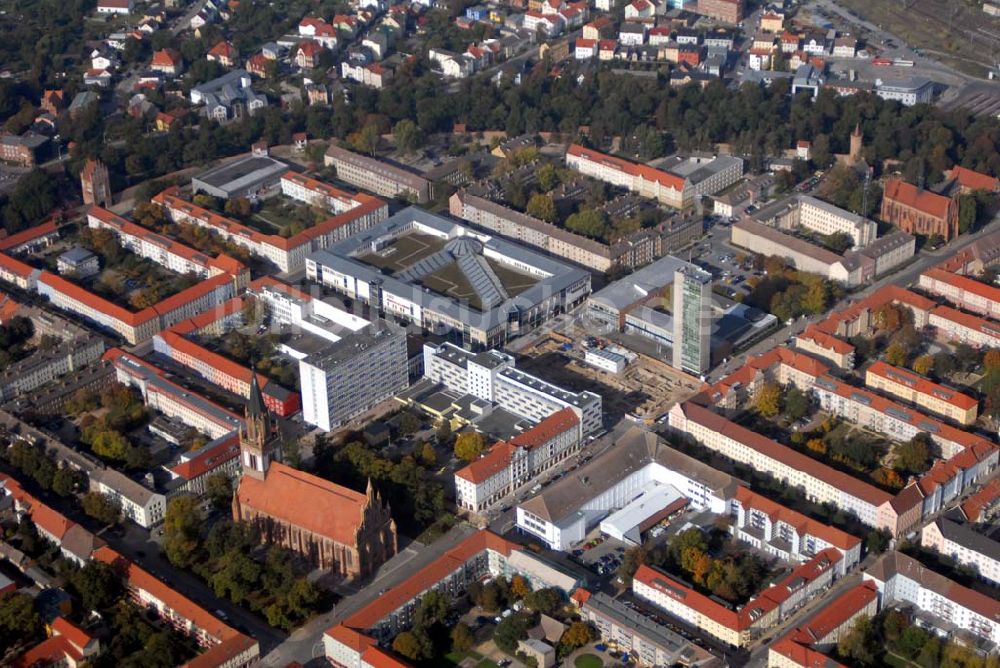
(637,286)
(553,276)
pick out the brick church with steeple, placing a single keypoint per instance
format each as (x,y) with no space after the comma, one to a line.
(332,526)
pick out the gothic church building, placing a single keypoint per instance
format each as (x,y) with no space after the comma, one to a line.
(332,526)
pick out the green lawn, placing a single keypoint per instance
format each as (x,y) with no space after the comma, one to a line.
(487,663)
(588,661)
(455,658)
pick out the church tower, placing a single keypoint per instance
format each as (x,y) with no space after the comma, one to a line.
(857,142)
(258,436)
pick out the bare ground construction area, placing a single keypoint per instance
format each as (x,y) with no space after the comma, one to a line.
(645,390)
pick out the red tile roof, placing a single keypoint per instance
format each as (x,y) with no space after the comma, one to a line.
(973,180)
(424,579)
(973,506)
(789,457)
(305,500)
(209,460)
(77,636)
(836,614)
(634,169)
(543,432)
(166,58)
(922,385)
(988,327)
(50,652)
(964,283)
(804,525)
(223,50)
(824,340)
(30,234)
(909,195)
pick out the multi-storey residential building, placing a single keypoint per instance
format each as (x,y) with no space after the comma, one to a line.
(951,535)
(954,325)
(787,534)
(174,256)
(492,376)
(359,641)
(223,645)
(631,251)
(318,194)
(377,176)
(919,211)
(964,292)
(171,399)
(918,390)
(515,462)
(692,302)
(628,490)
(488,317)
(190,475)
(45,365)
(678,186)
(21,150)
(805,646)
(137,502)
(353,374)
(176,343)
(944,604)
(287,254)
(736,628)
(822,217)
(826,346)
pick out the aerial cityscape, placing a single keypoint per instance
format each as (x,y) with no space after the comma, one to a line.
(500,333)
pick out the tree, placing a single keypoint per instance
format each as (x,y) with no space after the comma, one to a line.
(944,365)
(444,434)
(407,136)
(588,222)
(966,213)
(893,625)
(545,601)
(469,445)
(860,643)
(19,622)
(911,641)
(577,635)
(219,490)
(110,444)
(99,507)
(428,457)
(97,585)
(519,587)
(914,456)
(895,355)
(182,531)
(991,360)
(365,140)
(542,207)
(406,645)
(923,364)
(462,638)
(877,541)
(796,404)
(930,653)
(767,401)
(816,445)
(509,631)
(548,177)
(409,424)
(889,317)
(65,481)
(631,560)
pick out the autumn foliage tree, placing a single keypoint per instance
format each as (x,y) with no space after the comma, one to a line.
(469,445)
(767,401)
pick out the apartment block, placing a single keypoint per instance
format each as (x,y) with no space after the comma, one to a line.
(952,535)
(806,646)
(377,176)
(963,292)
(512,463)
(957,326)
(924,393)
(137,502)
(287,254)
(736,627)
(941,604)
(814,341)
(316,193)
(787,534)
(170,399)
(825,218)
